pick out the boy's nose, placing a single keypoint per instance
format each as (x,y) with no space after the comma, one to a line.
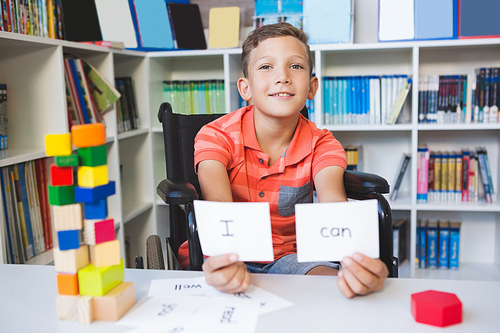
(282,77)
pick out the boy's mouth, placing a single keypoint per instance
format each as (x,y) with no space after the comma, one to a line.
(282,94)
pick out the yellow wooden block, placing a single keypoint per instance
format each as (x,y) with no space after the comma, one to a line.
(88,135)
(75,308)
(68,217)
(58,144)
(70,261)
(92,176)
(94,281)
(105,254)
(115,303)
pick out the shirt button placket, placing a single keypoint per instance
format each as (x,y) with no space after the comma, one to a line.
(261,194)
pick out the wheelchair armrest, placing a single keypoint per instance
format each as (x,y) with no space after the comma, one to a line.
(176,191)
(361,183)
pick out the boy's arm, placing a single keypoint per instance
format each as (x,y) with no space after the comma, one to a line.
(360,275)
(224,272)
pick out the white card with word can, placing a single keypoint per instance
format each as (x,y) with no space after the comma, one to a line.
(331,231)
(243,228)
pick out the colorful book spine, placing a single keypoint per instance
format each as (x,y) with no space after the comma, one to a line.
(432,244)
(422,231)
(444,244)
(431,177)
(454,245)
(422,174)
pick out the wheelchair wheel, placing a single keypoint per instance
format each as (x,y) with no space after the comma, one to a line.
(154,253)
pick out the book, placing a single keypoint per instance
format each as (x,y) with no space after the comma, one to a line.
(80,22)
(353,153)
(94,114)
(42,185)
(484,175)
(3,117)
(399,180)
(422,244)
(431,177)
(116,22)
(20,234)
(24,210)
(81,104)
(444,244)
(224,27)
(432,244)
(187,26)
(422,173)
(73,115)
(34,206)
(153,24)
(454,245)
(5,215)
(400,240)
(107,43)
(102,91)
(396,20)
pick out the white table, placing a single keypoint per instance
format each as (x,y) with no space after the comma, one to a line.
(27,303)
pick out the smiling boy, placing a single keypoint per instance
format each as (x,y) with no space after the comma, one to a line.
(269,152)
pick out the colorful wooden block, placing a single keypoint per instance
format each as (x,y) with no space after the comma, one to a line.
(58,144)
(93,156)
(66,161)
(68,217)
(115,303)
(75,308)
(436,308)
(92,176)
(93,194)
(67,284)
(61,176)
(105,254)
(93,281)
(61,195)
(96,210)
(98,231)
(88,135)
(69,239)
(70,261)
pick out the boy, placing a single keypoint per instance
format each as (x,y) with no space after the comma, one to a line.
(269,152)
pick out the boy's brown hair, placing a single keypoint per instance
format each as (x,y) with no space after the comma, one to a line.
(281,29)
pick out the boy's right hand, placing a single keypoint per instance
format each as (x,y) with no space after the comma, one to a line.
(226,273)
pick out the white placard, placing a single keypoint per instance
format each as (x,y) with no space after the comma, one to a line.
(243,228)
(331,231)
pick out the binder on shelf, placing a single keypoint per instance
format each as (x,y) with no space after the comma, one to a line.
(187,26)
(435,19)
(153,24)
(115,21)
(478,19)
(329,21)
(224,27)
(396,20)
(80,21)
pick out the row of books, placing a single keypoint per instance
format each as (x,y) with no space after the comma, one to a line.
(453,176)
(354,154)
(126,107)
(3,117)
(438,244)
(88,94)
(26,212)
(195,97)
(41,18)
(451,99)
(363,100)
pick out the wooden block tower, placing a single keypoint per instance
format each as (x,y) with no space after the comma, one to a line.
(88,262)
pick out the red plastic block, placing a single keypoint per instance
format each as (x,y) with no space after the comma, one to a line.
(61,176)
(436,308)
(88,135)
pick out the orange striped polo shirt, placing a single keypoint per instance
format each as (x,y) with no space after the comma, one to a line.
(231,140)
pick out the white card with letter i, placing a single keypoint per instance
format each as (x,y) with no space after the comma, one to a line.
(243,228)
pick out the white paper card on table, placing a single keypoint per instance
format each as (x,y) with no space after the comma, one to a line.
(243,228)
(269,302)
(181,287)
(331,231)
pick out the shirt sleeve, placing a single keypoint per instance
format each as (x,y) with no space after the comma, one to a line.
(328,152)
(211,143)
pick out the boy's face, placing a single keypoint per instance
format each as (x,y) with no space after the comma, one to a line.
(278,77)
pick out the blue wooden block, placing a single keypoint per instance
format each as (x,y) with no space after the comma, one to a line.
(69,239)
(96,210)
(94,194)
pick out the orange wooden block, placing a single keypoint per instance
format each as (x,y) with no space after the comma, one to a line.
(88,135)
(67,284)
(115,303)
(105,254)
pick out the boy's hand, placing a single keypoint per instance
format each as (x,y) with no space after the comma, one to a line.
(361,275)
(226,273)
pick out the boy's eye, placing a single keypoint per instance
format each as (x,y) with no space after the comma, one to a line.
(265,67)
(296,67)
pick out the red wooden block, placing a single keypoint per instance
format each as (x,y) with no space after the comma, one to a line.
(61,176)
(104,231)
(436,308)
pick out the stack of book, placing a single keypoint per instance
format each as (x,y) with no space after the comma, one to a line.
(3,117)
(364,100)
(127,116)
(195,97)
(88,94)
(438,244)
(454,176)
(36,18)
(26,212)
(451,99)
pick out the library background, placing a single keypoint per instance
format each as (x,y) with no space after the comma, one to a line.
(410,88)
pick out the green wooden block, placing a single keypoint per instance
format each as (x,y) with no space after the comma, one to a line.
(94,281)
(69,160)
(93,156)
(61,195)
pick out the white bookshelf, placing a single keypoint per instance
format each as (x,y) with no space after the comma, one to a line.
(33,69)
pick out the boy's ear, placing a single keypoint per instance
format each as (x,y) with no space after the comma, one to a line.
(244,89)
(313,87)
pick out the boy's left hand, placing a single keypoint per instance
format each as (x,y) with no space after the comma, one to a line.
(361,275)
